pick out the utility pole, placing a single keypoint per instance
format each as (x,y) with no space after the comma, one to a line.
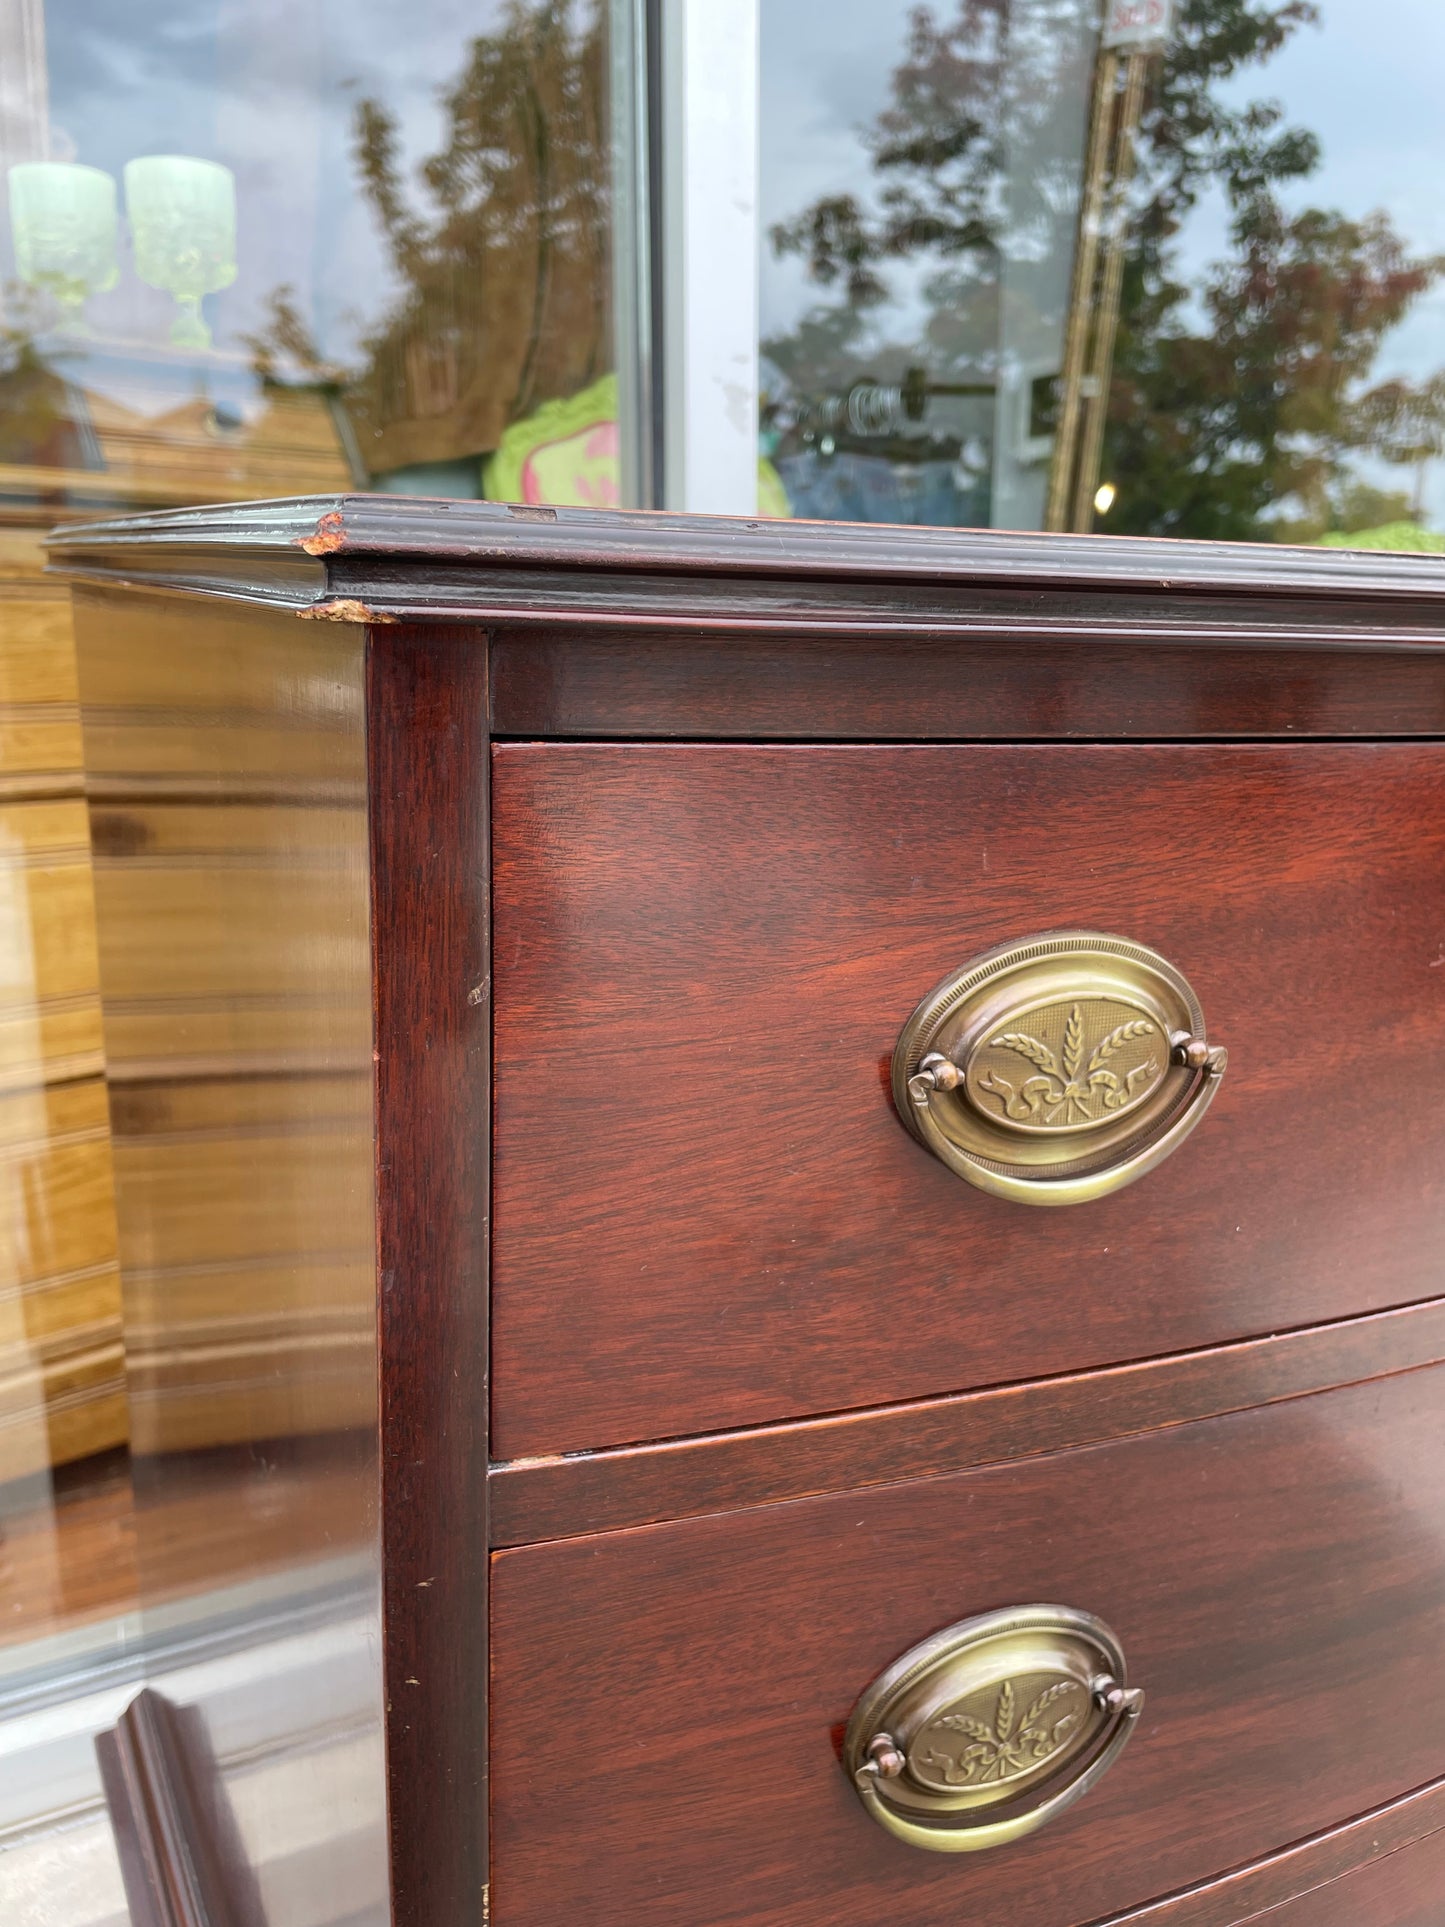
(1133,30)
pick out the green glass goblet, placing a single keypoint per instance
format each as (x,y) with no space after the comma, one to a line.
(183,229)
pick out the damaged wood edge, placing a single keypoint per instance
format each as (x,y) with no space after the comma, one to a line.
(344,609)
(634,541)
(618,1487)
(329,537)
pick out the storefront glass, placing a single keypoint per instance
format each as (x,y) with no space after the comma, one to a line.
(1163,267)
(1149,269)
(255,248)
(247,249)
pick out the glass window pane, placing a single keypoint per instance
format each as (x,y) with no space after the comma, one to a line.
(1175,276)
(255,249)
(247,249)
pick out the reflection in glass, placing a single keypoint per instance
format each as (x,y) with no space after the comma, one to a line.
(182,215)
(370,256)
(64,223)
(1171,277)
(377,254)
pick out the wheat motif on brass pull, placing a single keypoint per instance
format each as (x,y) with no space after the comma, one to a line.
(1008,1746)
(1072,1091)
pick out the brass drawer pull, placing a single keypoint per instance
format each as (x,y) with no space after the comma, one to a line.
(1058,1069)
(986,1731)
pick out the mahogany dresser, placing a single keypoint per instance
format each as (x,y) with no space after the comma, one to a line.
(920,1059)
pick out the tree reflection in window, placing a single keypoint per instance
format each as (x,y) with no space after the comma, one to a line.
(1243,394)
(503,256)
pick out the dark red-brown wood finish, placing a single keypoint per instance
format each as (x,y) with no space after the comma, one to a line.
(776,1394)
(888,687)
(588,1492)
(181,1855)
(1277,1578)
(1403,1889)
(426,744)
(716,946)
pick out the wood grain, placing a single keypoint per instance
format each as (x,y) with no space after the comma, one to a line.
(953,684)
(713,948)
(560,1498)
(67,1549)
(49,995)
(209,1521)
(62,1372)
(394,543)
(1354,1863)
(426,751)
(40,752)
(1402,1889)
(685,1748)
(244,1323)
(235,953)
(62,1363)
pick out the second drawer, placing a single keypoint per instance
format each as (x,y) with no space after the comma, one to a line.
(668,1701)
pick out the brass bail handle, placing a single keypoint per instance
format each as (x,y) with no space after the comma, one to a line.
(1059,1069)
(884,1760)
(984,1732)
(940,1073)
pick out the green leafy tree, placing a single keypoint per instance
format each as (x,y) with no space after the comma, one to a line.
(498,244)
(965,90)
(1238,403)
(504,265)
(1215,429)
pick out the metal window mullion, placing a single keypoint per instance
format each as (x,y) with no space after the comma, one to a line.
(710,254)
(632,252)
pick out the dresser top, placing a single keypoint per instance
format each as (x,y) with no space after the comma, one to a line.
(389,558)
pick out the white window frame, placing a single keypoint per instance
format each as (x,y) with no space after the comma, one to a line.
(710,248)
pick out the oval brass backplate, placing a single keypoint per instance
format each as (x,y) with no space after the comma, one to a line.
(1057,1069)
(984,1732)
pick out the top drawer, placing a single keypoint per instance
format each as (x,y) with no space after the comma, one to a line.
(707,1213)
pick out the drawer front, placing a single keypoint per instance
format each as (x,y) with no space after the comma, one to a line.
(707,1212)
(1405,1889)
(667,1701)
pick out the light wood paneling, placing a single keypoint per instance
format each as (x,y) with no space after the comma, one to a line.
(187,925)
(62,1361)
(62,1376)
(62,1372)
(249,1294)
(49,992)
(234,953)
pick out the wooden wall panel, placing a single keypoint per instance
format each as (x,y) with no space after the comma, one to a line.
(62,1380)
(248,1268)
(49,994)
(40,751)
(235,963)
(239,1052)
